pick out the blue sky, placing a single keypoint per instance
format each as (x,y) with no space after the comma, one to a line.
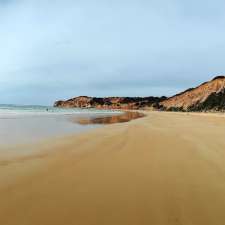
(57,49)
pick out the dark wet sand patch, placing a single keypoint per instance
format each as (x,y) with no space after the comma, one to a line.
(120,118)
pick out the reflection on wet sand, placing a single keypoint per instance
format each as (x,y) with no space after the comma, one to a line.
(121,118)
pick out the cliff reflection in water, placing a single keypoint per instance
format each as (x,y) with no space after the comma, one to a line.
(121,118)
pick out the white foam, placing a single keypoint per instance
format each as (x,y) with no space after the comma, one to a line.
(12,111)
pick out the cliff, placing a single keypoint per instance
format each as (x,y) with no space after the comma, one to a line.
(209,96)
(110,102)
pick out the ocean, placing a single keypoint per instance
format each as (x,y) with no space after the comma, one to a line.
(27,124)
(15,111)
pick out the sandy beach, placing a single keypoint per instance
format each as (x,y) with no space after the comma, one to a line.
(163,169)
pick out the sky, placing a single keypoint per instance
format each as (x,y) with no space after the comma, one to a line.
(58,49)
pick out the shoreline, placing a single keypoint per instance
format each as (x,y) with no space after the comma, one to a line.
(162,169)
(32,125)
(81,124)
(64,138)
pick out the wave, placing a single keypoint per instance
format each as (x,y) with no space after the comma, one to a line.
(14,111)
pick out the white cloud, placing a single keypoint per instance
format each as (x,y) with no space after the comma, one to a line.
(65,48)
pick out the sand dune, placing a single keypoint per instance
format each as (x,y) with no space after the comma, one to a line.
(163,169)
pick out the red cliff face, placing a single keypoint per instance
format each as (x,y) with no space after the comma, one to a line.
(207,96)
(109,102)
(79,102)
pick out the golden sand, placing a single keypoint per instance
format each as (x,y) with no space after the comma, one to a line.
(163,169)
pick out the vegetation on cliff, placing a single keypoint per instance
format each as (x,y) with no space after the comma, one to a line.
(209,96)
(110,102)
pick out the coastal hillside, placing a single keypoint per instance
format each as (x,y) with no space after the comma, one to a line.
(209,96)
(110,102)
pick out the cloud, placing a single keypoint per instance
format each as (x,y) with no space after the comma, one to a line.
(59,49)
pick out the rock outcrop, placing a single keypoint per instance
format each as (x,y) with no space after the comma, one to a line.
(209,96)
(110,102)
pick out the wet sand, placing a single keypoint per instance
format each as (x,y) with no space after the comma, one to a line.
(26,130)
(163,169)
(120,118)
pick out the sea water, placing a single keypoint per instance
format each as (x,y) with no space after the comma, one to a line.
(15,111)
(26,124)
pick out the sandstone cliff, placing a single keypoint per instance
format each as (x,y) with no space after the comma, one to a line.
(110,102)
(209,96)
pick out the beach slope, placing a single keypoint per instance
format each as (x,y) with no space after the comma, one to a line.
(163,169)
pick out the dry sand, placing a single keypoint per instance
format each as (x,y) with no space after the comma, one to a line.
(163,169)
